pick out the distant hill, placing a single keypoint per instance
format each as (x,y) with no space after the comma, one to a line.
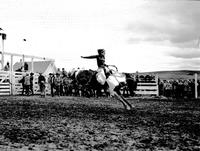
(178,74)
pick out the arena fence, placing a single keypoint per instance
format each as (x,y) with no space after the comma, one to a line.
(148,86)
(10,85)
(147,89)
(5,86)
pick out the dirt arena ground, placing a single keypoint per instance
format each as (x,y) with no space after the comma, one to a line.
(76,123)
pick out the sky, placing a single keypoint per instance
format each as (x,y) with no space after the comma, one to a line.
(138,35)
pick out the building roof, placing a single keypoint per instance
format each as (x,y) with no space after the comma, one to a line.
(39,66)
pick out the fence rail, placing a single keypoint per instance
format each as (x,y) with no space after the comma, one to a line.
(148,87)
(5,86)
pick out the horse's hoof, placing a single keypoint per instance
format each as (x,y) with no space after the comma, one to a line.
(128,108)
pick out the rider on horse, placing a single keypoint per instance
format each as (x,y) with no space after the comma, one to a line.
(104,75)
(102,67)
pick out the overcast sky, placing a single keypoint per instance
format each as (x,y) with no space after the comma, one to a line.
(138,35)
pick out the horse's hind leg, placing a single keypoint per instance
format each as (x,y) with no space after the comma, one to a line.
(115,91)
(125,103)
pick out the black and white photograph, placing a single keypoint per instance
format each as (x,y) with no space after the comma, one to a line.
(99,75)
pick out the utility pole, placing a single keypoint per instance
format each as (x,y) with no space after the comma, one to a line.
(3,37)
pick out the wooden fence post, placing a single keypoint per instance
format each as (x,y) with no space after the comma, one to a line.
(157,84)
(11,75)
(196,84)
(2,53)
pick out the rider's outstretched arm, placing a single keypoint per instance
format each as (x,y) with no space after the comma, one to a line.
(89,57)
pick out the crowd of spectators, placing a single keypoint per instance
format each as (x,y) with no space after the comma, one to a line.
(27,84)
(59,83)
(56,81)
(178,88)
(173,88)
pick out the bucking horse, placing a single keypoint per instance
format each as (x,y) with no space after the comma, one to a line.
(86,82)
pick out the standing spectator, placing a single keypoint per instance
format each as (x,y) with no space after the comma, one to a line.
(41,82)
(192,85)
(64,72)
(22,82)
(7,67)
(61,85)
(65,84)
(181,85)
(178,89)
(58,71)
(51,81)
(161,87)
(175,88)
(27,83)
(31,82)
(168,89)
(57,83)
(63,75)
(25,66)
(164,87)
